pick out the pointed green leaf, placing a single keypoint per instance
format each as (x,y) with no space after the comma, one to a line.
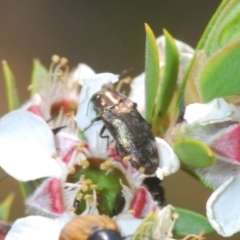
(147,226)
(223,27)
(220,77)
(151,72)
(168,83)
(5,207)
(12,93)
(190,222)
(39,74)
(222,31)
(194,153)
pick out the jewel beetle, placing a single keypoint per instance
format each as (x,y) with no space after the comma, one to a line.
(132,134)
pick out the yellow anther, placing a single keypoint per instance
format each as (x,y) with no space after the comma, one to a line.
(79,196)
(131,211)
(72,209)
(93,187)
(72,170)
(30,87)
(127,158)
(55,58)
(141,170)
(88,181)
(107,165)
(82,178)
(88,197)
(84,187)
(63,61)
(54,155)
(78,149)
(84,164)
(175,215)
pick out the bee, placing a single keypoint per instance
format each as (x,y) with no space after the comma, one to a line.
(132,134)
(91,227)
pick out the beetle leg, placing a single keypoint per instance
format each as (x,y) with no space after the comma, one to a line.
(106,136)
(98,118)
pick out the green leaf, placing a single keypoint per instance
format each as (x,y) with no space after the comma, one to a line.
(221,34)
(5,207)
(12,93)
(194,153)
(147,226)
(168,83)
(220,77)
(151,72)
(223,27)
(39,74)
(190,222)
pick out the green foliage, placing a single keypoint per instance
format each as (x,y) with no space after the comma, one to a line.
(194,153)
(5,207)
(215,70)
(167,85)
(39,74)
(151,72)
(190,222)
(12,93)
(147,227)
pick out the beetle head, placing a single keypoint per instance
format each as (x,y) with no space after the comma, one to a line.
(105,99)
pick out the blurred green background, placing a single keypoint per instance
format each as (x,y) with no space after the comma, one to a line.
(108,36)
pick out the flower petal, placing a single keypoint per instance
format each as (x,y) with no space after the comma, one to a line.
(169,162)
(137,93)
(34,227)
(218,110)
(83,71)
(127,224)
(27,146)
(85,110)
(223,207)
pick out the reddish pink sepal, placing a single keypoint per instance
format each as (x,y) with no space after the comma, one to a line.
(227,144)
(142,203)
(48,197)
(35,109)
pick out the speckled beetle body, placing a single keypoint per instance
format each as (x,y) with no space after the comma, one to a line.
(131,132)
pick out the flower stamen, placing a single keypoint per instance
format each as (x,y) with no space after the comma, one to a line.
(127,158)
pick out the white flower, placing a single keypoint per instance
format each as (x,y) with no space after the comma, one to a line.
(37,227)
(218,110)
(27,147)
(29,153)
(217,124)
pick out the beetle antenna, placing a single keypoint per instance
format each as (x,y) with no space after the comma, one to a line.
(88,107)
